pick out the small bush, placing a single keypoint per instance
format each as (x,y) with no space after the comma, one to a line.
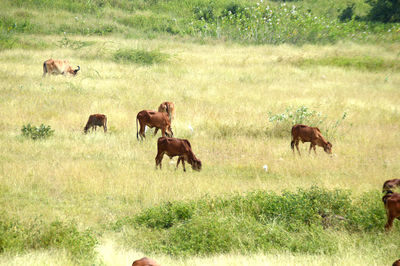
(141,57)
(384,10)
(35,133)
(347,13)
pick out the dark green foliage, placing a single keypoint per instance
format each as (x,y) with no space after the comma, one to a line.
(35,133)
(384,10)
(205,12)
(306,221)
(139,56)
(347,13)
(16,237)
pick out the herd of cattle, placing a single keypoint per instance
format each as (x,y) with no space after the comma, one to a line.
(167,144)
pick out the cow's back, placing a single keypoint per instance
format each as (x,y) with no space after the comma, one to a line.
(145,262)
(173,146)
(305,133)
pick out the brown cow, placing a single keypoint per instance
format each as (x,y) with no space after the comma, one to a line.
(96,120)
(169,108)
(56,67)
(391,201)
(145,262)
(396,263)
(153,119)
(177,147)
(309,134)
(391,184)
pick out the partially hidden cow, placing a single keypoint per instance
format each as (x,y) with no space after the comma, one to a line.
(96,120)
(152,119)
(396,263)
(145,262)
(169,108)
(309,134)
(58,67)
(391,184)
(391,201)
(177,147)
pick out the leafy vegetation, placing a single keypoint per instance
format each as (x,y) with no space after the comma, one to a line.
(302,222)
(139,56)
(34,132)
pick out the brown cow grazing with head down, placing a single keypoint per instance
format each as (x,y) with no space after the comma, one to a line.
(169,108)
(96,120)
(177,147)
(58,67)
(153,119)
(391,184)
(145,262)
(309,134)
(391,201)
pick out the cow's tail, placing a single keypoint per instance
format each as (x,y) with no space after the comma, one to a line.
(44,69)
(292,144)
(105,124)
(137,132)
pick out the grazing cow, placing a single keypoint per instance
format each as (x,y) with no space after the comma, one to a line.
(309,134)
(56,67)
(396,263)
(391,184)
(153,119)
(145,262)
(169,108)
(177,147)
(96,120)
(391,201)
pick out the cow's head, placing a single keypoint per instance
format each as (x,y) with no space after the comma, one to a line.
(196,164)
(328,148)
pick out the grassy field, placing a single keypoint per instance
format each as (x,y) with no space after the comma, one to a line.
(97,199)
(225,92)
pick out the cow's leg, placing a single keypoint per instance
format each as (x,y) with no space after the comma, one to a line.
(311,145)
(163,132)
(183,164)
(155,131)
(141,131)
(315,149)
(177,163)
(159,158)
(105,128)
(297,146)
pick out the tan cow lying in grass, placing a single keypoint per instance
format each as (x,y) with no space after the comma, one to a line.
(145,262)
(58,67)
(309,134)
(391,201)
(391,184)
(153,119)
(96,120)
(177,147)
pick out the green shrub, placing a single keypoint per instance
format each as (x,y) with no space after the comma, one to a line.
(35,133)
(384,10)
(138,56)
(16,237)
(306,221)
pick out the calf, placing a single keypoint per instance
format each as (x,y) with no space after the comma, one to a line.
(153,119)
(57,67)
(169,108)
(309,134)
(145,262)
(177,147)
(392,206)
(390,184)
(96,120)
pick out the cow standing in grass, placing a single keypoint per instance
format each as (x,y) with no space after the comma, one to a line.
(58,67)
(96,120)
(309,134)
(391,201)
(152,119)
(177,147)
(168,108)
